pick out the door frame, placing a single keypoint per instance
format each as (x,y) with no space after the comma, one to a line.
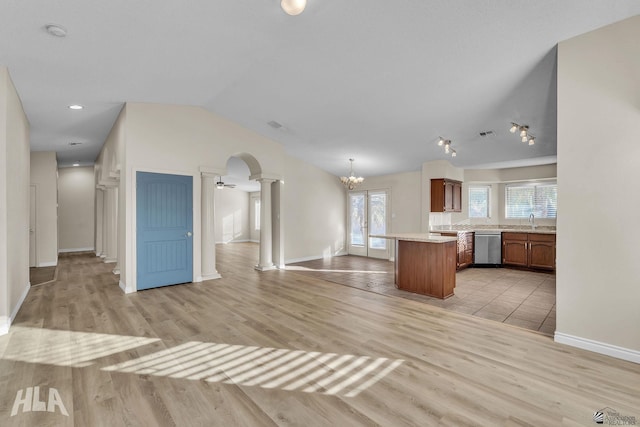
(367,250)
(131,260)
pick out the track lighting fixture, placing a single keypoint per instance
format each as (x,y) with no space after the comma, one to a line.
(525,136)
(446,143)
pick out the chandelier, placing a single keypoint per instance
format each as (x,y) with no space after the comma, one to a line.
(350,182)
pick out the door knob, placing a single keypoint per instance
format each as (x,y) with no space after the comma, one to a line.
(189,234)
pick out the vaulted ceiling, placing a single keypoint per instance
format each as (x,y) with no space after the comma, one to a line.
(376,80)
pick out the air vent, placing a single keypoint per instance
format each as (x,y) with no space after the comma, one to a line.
(75,143)
(274,124)
(486,133)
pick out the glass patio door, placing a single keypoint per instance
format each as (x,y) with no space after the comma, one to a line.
(368,214)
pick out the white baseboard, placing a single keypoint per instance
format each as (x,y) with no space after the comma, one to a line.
(5,322)
(14,313)
(47,264)
(222,242)
(598,347)
(124,288)
(91,249)
(109,260)
(213,276)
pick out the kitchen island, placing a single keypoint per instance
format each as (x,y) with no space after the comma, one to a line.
(424,263)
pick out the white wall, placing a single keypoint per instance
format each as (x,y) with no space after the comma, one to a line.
(254,235)
(187,140)
(44,175)
(497,180)
(14,202)
(231,215)
(76,204)
(314,212)
(598,277)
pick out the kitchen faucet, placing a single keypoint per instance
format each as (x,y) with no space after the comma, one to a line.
(532,220)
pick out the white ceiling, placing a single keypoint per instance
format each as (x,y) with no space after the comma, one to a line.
(376,80)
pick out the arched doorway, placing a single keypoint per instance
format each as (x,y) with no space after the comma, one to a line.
(223,224)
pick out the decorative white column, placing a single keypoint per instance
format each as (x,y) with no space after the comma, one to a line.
(208,238)
(110,222)
(99,219)
(266,261)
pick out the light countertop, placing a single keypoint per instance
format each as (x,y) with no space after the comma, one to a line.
(497,229)
(417,237)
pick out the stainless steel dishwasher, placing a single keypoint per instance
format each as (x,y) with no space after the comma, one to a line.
(487,248)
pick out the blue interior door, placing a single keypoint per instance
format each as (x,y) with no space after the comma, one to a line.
(164,229)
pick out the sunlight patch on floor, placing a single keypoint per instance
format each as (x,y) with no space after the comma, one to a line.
(300,268)
(265,367)
(66,348)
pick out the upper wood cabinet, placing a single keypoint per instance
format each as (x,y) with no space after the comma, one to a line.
(446,195)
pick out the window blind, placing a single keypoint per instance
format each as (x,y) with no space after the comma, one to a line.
(479,201)
(538,199)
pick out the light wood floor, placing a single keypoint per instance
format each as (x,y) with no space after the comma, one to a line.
(281,348)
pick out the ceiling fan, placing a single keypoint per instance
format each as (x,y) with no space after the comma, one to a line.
(220,185)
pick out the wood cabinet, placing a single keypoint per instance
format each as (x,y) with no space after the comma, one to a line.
(542,251)
(529,250)
(464,256)
(426,268)
(446,195)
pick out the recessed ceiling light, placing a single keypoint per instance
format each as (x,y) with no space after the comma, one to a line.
(56,30)
(76,107)
(293,7)
(76,164)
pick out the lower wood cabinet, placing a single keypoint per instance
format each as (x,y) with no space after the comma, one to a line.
(426,268)
(464,257)
(529,250)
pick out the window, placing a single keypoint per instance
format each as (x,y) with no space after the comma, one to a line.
(256,214)
(479,201)
(522,200)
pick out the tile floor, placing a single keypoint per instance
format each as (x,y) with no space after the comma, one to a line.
(521,298)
